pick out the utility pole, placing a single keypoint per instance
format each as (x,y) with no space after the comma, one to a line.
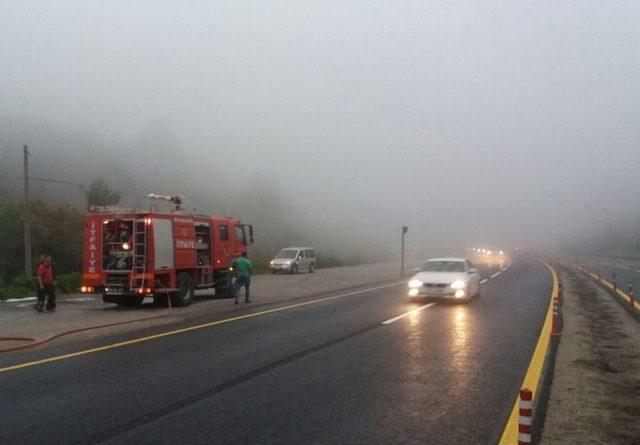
(404,232)
(27,218)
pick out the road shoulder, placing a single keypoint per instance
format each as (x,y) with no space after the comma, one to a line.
(595,394)
(81,312)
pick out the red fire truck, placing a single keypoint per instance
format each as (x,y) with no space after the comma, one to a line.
(132,255)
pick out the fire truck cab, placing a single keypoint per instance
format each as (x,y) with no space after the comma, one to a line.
(165,255)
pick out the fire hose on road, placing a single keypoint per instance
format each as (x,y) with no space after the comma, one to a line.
(33,342)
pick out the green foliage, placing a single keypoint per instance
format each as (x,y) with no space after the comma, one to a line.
(260,266)
(54,230)
(328,260)
(18,287)
(69,283)
(99,194)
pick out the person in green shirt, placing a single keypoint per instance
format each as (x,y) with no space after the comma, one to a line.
(242,267)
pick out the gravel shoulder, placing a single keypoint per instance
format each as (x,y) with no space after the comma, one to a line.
(595,394)
(81,311)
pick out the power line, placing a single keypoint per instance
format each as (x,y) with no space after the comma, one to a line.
(59,181)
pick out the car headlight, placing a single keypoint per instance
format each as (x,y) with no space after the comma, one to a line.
(271,262)
(415,283)
(460,284)
(288,262)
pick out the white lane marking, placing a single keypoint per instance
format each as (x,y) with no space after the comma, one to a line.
(624,267)
(484,280)
(408,313)
(496,274)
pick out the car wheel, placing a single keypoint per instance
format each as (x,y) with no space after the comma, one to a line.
(294,269)
(311,268)
(184,296)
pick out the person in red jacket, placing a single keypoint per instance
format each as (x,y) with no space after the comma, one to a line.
(40,293)
(46,285)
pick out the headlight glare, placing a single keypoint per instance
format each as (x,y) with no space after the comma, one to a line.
(460,284)
(415,283)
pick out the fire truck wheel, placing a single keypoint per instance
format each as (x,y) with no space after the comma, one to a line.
(184,296)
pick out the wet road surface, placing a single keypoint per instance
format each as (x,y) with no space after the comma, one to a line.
(330,372)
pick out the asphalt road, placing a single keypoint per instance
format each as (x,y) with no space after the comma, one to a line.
(329,372)
(625,273)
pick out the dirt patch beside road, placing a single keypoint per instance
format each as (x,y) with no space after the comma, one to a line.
(595,395)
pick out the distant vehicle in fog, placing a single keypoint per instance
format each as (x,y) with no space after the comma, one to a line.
(446,278)
(294,260)
(490,257)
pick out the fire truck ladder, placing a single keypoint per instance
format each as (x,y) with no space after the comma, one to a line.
(139,254)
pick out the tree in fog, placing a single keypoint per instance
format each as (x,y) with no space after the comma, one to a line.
(99,194)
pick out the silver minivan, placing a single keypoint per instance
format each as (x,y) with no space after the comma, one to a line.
(294,260)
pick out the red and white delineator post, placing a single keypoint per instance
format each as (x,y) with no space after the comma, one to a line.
(555,320)
(526,416)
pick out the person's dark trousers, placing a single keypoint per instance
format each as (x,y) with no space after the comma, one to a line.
(51,296)
(41,294)
(246,282)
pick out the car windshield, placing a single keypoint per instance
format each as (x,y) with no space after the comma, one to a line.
(443,266)
(286,254)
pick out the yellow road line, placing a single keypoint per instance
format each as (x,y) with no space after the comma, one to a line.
(188,329)
(532,378)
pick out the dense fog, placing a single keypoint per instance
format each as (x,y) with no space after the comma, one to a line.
(334,123)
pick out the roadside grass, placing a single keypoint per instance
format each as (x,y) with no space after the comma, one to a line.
(21,287)
(17,288)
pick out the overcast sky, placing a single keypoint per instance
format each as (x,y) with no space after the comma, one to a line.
(479,122)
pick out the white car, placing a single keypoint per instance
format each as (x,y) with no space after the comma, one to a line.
(293,260)
(452,278)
